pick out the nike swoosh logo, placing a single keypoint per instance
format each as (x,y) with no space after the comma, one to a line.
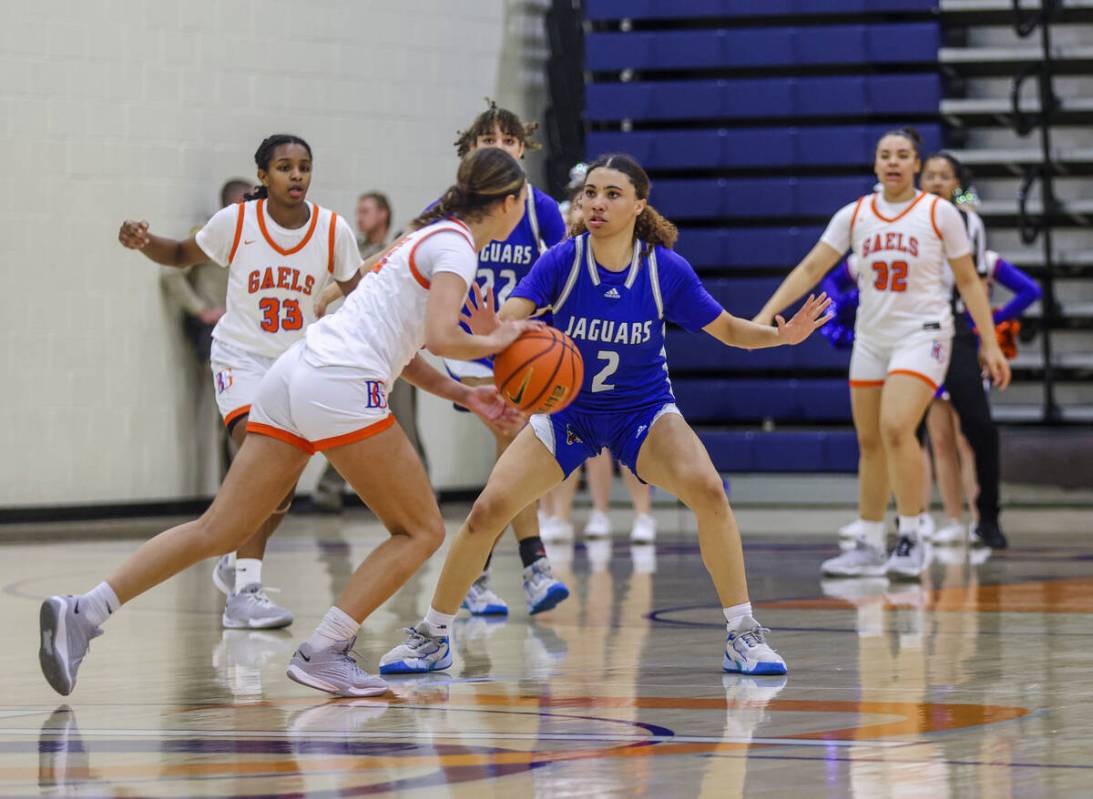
(519,395)
(248,241)
(301,654)
(77,611)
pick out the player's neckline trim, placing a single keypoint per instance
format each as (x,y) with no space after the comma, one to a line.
(269,239)
(593,267)
(901,214)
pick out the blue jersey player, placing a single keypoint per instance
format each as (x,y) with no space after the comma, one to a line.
(501,266)
(613,288)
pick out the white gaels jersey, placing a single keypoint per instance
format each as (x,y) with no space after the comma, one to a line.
(381,325)
(900,262)
(275,273)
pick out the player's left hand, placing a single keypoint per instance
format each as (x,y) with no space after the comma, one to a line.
(481,314)
(809,318)
(994,364)
(486,402)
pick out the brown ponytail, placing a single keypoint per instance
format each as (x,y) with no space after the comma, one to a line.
(484,177)
(650,227)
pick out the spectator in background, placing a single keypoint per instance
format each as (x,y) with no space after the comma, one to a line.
(374,224)
(201,290)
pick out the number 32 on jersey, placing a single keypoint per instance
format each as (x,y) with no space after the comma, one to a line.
(890,276)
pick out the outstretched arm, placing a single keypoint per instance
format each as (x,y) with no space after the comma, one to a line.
(735,332)
(803,277)
(168,252)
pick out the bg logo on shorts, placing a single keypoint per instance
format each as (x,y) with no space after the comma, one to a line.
(376,396)
(937,351)
(224,381)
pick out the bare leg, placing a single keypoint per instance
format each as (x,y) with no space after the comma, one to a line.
(387,474)
(259,477)
(599,473)
(674,459)
(904,400)
(524,472)
(255,546)
(641,496)
(873,486)
(967,470)
(562,497)
(943,441)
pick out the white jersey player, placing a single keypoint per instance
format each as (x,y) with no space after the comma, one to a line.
(901,239)
(280,250)
(328,393)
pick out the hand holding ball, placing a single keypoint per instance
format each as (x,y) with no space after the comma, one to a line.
(540,372)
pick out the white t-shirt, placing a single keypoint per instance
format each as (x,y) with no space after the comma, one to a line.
(275,272)
(901,253)
(381,325)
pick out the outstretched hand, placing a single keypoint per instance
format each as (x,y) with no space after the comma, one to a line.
(486,402)
(134,235)
(481,314)
(805,321)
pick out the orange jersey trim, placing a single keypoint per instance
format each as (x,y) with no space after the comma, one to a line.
(280,435)
(933,218)
(413,264)
(911,373)
(303,241)
(330,243)
(854,216)
(896,218)
(866,383)
(233,415)
(354,437)
(238,232)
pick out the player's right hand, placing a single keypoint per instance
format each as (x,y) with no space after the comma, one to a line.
(510,330)
(134,235)
(994,364)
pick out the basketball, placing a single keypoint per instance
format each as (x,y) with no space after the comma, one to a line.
(540,372)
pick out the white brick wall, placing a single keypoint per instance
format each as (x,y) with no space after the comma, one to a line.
(121,108)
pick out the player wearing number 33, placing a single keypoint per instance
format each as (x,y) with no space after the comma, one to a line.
(612,287)
(901,238)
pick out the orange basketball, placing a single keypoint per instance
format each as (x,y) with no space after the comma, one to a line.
(540,372)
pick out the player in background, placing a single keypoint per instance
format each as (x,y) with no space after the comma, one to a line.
(612,288)
(327,393)
(279,250)
(902,239)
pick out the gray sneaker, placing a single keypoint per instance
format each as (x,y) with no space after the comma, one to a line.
(910,558)
(864,560)
(334,670)
(250,608)
(542,591)
(224,575)
(66,636)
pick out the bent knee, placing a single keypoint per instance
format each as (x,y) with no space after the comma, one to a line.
(705,491)
(489,513)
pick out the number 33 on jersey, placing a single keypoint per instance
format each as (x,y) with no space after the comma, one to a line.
(275,271)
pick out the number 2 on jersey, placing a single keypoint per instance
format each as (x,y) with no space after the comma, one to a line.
(271,314)
(890,277)
(599,382)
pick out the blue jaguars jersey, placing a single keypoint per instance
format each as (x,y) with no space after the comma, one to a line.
(617,319)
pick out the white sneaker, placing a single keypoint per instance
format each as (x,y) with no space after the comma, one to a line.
(419,653)
(851,530)
(864,560)
(747,651)
(644,530)
(482,601)
(543,592)
(224,575)
(954,532)
(598,525)
(251,608)
(910,559)
(555,529)
(333,670)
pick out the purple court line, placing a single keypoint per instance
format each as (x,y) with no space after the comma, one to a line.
(946,762)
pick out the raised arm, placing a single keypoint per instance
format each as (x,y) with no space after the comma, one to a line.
(444,336)
(168,252)
(804,276)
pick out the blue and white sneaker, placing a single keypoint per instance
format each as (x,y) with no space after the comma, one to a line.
(482,601)
(419,653)
(543,592)
(747,651)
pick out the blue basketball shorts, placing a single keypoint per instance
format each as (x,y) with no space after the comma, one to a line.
(575,436)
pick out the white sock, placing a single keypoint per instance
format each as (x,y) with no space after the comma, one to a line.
(336,626)
(437,623)
(736,614)
(98,603)
(908,525)
(872,533)
(247,571)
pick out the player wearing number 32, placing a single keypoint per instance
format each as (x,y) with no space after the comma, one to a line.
(612,287)
(280,251)
(901,238)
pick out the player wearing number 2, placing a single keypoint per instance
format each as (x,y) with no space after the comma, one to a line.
(501,265)
(901,238)
(280,250)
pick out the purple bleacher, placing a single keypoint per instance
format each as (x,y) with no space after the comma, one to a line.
(782,450)
(699,352)
(710,249)
(718,198)
(603,10)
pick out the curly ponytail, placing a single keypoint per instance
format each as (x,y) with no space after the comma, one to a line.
(485,177)
(650,227)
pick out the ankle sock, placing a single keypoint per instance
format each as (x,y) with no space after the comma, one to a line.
(336,626)
(735,614)
(247,571)
(872,533)
(98,603)
(908,526)
(436,623)
(531,549)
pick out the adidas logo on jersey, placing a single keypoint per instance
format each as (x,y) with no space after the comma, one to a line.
(612,293)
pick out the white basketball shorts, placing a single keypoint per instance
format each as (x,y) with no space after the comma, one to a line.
(923,354)
(236,375)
